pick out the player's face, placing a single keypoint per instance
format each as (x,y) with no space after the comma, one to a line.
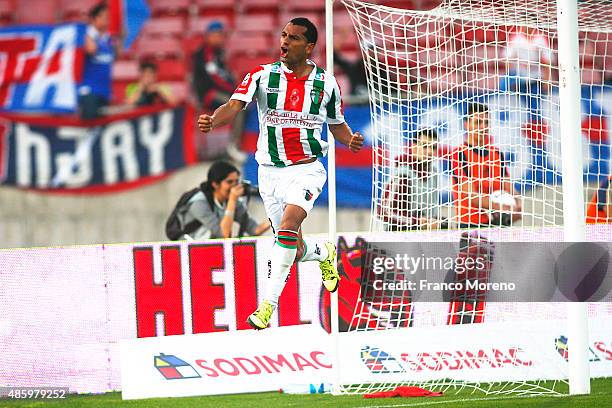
(424,149)
(477,127)
(101,20)
(294,47)
(222,189)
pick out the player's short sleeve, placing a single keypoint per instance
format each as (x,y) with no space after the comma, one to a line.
(248,87)
(335,111)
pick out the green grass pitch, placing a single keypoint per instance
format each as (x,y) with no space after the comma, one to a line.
(601,396)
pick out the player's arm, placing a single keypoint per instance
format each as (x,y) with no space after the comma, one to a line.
(343,133)
(223,115)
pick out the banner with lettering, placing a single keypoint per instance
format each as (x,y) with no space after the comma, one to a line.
(69,307)
(41,67)
(115,152)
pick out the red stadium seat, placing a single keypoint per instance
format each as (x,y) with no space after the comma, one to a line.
(240,67)
(171,70)
(7,11)
(204,7)
(164,27)
(180,90)
(36,12)
(197,25)
(148,47)
(271,6)
(255,23)
(317,19)
(125,70)
(76,10)
(169,7)
(296,6)
(252,44)
(118,95)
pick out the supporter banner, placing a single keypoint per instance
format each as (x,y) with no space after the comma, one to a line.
(74,304)
(42,67)
(532,156)
(487,352)
(118,151)
(224,363)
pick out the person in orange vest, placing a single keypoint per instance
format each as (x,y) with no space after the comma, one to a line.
(599,209)
(478,171)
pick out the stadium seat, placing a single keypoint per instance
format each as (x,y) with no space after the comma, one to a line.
(240,67)
(125,70)
(270,6)
(161,8)
(197,25)
(164,27)
(297,6)
(180,90)
(204,7)
(76,10)
(7,11)
(255,23)
(45,12)
(171,70)
(168,48)
(118,95)
(252,44)
(317,19)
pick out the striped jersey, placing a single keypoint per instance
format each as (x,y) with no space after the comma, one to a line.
(291,112)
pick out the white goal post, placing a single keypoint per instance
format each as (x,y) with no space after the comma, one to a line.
(408,64)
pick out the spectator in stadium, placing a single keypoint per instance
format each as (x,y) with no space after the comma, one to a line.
(354,70)
(218,206)
(529,60)
(213,83)
(599,209)
(147,91)
(478,170)
(410,199)
(100,48)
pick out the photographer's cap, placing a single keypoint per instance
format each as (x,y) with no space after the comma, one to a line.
(215,26)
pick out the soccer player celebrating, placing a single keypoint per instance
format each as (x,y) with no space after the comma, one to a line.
(294,97)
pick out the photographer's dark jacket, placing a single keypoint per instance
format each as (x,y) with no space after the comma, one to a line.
(198,208)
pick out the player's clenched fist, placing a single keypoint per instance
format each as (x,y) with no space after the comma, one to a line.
(356,142)
(205,123)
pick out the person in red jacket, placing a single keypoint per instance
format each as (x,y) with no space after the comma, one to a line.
(599,209)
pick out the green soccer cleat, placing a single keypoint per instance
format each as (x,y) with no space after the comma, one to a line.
(329,272)
(260,318)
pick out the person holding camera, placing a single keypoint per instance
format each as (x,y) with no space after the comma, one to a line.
(217,205)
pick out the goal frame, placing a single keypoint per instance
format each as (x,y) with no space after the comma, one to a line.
(573,200)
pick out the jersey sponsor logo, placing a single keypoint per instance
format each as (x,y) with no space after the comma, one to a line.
(320,76)
(316,95)
(272,90)
(297,119)
(276,69)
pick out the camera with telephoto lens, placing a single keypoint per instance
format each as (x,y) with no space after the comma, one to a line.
(250,189)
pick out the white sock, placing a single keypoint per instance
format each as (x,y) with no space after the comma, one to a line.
(314,251)
(281,259)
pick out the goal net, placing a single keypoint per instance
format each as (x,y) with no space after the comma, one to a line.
(466,136)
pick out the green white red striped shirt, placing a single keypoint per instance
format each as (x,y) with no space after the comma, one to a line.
(291,111)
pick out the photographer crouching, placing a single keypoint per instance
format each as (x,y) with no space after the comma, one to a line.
(211,210)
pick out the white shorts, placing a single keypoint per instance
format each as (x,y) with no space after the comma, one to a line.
(299,185)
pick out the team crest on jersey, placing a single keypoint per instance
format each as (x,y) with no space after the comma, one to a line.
(307,195)
(316,95)
(275,68)
(320,76)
